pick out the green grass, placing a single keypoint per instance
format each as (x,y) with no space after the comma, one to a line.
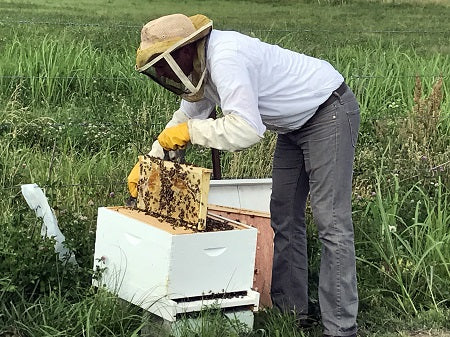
(74,116)
(410,254)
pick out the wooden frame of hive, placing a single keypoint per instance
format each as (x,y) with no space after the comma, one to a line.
(174,191)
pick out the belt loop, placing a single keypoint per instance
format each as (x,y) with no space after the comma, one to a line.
(335,93)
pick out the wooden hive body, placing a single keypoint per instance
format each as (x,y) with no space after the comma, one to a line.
(172,190)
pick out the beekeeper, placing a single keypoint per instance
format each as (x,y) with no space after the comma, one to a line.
(306,102)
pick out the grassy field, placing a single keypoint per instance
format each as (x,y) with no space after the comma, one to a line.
(74,116)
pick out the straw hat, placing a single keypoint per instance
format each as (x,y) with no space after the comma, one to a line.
(170,32)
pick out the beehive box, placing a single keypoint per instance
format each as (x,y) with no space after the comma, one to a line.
(146,261)
(262,278)
(173,190)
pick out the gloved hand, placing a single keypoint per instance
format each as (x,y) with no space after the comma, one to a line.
(133,179)
(175,137)
(158,152)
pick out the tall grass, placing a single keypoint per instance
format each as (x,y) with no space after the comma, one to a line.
(95,314)
(384,78)
(56,71)
(410,254)
(102,89)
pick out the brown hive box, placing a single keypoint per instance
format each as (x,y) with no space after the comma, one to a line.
(173,190)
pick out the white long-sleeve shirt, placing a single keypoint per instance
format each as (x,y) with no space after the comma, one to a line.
(264,84)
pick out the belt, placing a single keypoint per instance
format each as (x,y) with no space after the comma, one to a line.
(336,94)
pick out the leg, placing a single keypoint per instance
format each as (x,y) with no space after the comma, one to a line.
(329,139)
(290,189)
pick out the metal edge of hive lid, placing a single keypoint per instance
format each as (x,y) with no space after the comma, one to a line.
(173,190)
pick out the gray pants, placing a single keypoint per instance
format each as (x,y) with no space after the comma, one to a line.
(317,159)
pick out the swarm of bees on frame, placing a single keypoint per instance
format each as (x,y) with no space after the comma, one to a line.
(171,195)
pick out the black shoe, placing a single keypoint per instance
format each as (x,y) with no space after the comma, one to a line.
(306,322)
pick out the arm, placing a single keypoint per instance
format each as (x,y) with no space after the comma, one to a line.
(241,126)
(237,86)
(231,133)
(237,90)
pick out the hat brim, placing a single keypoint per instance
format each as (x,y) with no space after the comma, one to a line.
(203,27)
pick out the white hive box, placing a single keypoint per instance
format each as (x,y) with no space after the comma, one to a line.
(249,194)
(169,271)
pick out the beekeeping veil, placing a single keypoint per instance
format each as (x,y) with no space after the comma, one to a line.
(160,37)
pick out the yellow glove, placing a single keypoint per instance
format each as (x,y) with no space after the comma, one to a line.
(133,179)
(175,137)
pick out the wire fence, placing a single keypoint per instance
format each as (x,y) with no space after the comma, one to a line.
(105,183)
(141,78)
(138,78)
(441,167)
(248,29)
